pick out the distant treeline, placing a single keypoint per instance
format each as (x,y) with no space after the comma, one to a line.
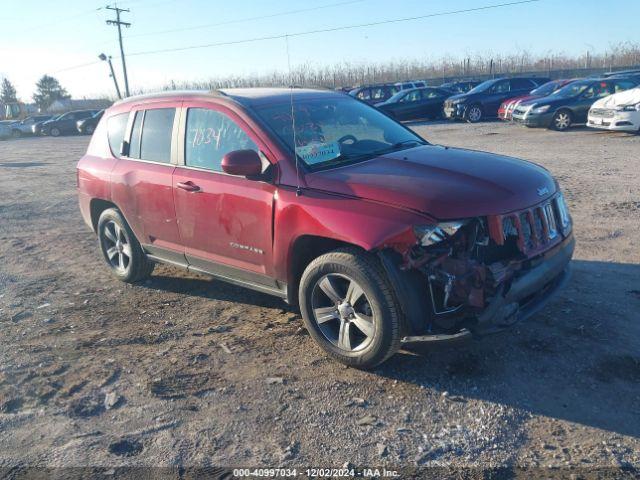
(346,74)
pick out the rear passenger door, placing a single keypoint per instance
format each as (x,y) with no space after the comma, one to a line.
(225,221)
(142,179)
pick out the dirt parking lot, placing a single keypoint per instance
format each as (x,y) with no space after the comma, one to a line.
(183,371)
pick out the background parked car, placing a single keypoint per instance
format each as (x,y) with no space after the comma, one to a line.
(569,105)
(484,100)
(65,123)
(460,87)
(415,103)
(5,131)
(373,94)
(506,109)
(87,126)
(25,127)
(409,85)
(620,111)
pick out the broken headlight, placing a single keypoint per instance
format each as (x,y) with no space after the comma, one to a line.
(431,234)
(563,213)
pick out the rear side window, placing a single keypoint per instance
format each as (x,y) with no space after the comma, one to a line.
(157,129)
(210,136)
(116,126)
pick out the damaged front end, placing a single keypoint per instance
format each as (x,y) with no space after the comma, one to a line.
(482,274)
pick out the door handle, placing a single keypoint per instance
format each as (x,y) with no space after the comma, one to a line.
(188,186)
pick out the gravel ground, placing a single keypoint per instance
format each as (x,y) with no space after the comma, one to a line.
(183,371)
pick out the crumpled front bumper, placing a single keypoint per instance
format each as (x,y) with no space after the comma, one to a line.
(528,292)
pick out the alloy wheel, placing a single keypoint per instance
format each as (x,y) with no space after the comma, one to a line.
(343,313)
(562,121)
(116,246)
(475,114)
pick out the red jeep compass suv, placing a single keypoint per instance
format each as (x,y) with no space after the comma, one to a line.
(380,237)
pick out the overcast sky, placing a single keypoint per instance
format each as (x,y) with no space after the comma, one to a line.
(41,36)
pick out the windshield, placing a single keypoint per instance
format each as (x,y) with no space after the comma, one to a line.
(482,87)
(336,131)
(546,89)
(573,89)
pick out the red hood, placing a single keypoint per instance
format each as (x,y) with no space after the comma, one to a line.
(446,183)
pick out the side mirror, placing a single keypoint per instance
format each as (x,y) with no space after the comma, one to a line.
(244,163)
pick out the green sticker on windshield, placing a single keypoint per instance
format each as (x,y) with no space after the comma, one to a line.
(318,152)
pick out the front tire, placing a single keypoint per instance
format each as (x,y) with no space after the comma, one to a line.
(562,120)
(89,130)
(55,132)
(349,309)
(121,249)
(474,114)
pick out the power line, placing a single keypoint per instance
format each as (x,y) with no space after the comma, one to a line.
(325,30)
(335,29)
(117,22)
(82,65)
(61,20)
(246,19)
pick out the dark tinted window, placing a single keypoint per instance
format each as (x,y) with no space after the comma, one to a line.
(210,136)
(521,84)
(622,85)
(116,126)
(501,87)
(134,144)
(80,115)
(156,135)
(412,96)
(364,94)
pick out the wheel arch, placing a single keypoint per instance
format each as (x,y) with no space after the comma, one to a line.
(302,252)
(96,207)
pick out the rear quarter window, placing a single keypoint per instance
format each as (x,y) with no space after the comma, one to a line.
(116,126)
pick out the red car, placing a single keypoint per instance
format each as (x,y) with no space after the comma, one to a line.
(378,236)
(508,106)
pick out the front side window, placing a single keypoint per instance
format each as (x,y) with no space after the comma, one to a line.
(598,90)
(210,136)
(522,84)
(157,129)
(116,126)
(334,131)
(364,94)
(411,96)
(501,87)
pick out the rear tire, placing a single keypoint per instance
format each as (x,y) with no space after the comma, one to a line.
(562,120)
(474,114)
(121,249)
(349,309)
(16,133)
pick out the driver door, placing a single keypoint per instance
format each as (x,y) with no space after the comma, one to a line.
(225,221)
(498,94)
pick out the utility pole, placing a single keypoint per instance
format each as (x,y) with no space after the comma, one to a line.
(119,24)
